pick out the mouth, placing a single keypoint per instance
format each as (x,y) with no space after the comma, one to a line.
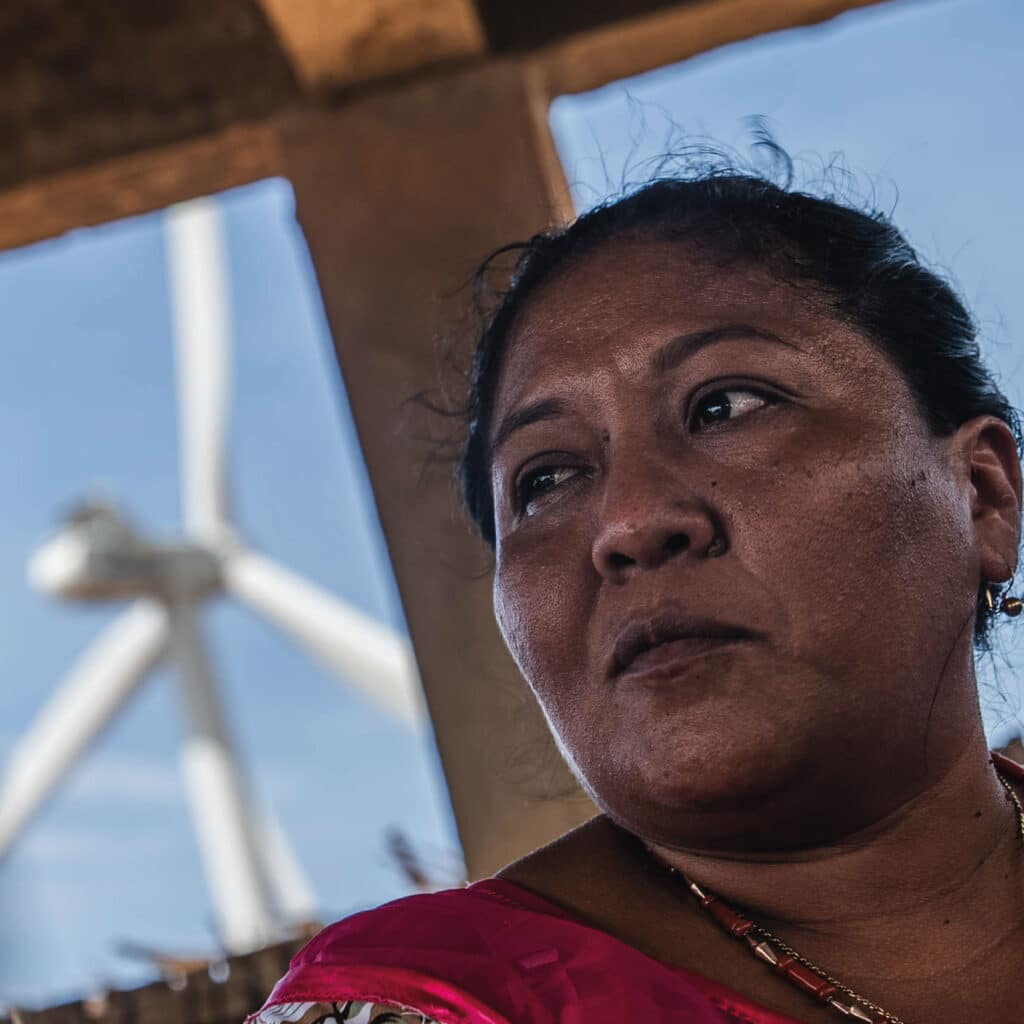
(664,643)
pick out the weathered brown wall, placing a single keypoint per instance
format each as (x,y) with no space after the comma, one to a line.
(400,196)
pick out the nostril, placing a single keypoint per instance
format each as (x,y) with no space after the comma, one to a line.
(617,560)
(676,544)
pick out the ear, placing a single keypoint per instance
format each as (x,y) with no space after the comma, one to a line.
(989,453)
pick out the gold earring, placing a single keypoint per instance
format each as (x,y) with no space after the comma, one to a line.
(1009,605)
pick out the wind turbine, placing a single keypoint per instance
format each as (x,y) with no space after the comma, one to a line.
(256,884)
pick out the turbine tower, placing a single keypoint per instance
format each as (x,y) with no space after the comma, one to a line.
(257,887)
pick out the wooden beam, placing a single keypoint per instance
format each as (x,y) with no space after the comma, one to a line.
(592,59)
(336,43)
(139,183)
(401,195)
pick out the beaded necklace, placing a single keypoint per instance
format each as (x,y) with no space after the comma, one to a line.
(797,969)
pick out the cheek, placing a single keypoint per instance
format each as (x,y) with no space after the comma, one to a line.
(521,608)
(510,611)
(867,540)
(542,607)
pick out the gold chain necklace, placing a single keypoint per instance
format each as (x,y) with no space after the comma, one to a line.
(797,969)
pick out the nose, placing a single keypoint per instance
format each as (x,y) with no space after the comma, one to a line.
(648,519)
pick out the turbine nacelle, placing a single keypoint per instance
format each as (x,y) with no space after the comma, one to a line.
(99,556)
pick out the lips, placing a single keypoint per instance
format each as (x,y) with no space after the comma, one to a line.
(668,637)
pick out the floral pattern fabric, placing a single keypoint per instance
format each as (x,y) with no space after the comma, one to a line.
(350,1012)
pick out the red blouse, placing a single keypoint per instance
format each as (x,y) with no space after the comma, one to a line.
(491,953)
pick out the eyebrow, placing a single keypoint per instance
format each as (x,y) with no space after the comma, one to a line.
(535,412)
(673,352)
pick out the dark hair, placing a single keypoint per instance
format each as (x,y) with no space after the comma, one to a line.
(853,259)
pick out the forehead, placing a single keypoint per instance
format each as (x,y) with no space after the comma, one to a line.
(607,313)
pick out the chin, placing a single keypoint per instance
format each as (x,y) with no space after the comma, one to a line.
(686,786)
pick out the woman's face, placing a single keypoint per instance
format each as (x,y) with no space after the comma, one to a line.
(732,561)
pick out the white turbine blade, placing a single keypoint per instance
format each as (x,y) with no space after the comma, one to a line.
(202,326)
(371,656)
(228,840)
(289,885)
(90,696)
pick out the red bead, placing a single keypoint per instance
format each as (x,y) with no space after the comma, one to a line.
(735,924)
(803,977)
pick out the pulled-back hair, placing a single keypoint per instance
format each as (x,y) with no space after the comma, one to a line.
(855,260)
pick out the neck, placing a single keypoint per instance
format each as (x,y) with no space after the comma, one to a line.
(940,878)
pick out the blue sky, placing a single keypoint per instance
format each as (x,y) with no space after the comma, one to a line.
(921,97)
(88,404)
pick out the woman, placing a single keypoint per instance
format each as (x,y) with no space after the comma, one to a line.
(754,500)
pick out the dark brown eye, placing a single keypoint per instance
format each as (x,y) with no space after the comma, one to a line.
(538,483)
(726,404)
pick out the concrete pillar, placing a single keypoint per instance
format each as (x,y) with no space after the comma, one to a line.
(401,193)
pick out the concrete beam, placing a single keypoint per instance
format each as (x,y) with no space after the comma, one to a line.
(82,83)
(630,47)
(136,184)
(400,196)
(337,43)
